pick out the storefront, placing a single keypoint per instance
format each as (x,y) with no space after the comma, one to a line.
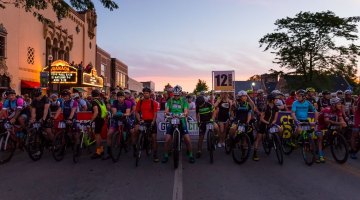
(60,75)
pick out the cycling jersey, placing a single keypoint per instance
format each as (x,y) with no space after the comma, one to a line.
(177,106)
(39,106)
(224,111)
(146,109)
(333,115)
(205,112)
(301,109)
(121,106)
(67,106)
(348,103)
(323,103)
(12,106)
(242,109)
(260,103)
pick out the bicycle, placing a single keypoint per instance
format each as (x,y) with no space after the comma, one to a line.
(211,140)
(175,121)
(308,144)
(240,145)
(118,141)
(288,140)
(84,140)
(60,141)
(144,142)
(36,141)
(8,141)
(271,140)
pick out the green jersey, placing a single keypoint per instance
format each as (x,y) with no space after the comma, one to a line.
(177,106)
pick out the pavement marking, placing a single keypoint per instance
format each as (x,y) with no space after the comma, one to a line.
(178,183)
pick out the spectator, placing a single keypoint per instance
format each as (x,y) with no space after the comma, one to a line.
(191,102)
(290,100)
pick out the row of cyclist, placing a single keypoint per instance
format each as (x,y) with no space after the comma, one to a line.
(235,125)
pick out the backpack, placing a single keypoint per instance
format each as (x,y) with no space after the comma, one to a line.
(102,106)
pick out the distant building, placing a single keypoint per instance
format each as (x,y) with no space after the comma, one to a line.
(119,74)
(149,84)
(248,85)
(135,86)
(103,67)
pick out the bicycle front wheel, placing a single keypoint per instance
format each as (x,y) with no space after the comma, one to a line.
(266,142)
(278,148)
(59,146)
(7,148)
(139,148)
(210,145)
(116,146)
(339,149)
(35,146)
(241,149)
(308,150)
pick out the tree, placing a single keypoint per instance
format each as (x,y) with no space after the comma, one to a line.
(309,44)
(60,7)
(167,86)
(201,86)
(255,78)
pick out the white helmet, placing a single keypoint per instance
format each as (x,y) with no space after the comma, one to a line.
(260,91)
(334,101)
(177,90)
(276,92)
(241,93)
(348,92)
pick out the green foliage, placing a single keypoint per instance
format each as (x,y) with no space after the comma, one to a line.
(308,44)
(60,7)
(167,86)
(201,86)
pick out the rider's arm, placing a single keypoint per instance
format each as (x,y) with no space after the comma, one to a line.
(293,115)
(275,118)
(127,112)
(46,111)
(215,112)
(186,112)
(248,118)
(137,111)
(252,104)
(33,113)
(73,110)
(316,116)
(262,115)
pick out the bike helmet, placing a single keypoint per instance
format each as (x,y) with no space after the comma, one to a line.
(95,93)
(37,92)
(53,96)
(270,97)
(200,100)
(310,89)
(325,92)
(120,94)
(241,93)
(301,92)
(334,101)
(250,91)
(10,91)
(339,92)
(65,92)
(4,95)
(146,89)
(177,90)
(348,92)
(260,91)
(127,91)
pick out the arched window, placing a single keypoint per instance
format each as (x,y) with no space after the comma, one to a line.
(61,51)
(55,49)
(48,51)
(67,54)
(3,34)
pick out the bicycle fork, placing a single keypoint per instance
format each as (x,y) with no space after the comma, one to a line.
(6,141)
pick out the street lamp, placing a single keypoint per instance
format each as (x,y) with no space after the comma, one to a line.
(253,85)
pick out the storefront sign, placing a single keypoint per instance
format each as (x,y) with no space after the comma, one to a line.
(92,79)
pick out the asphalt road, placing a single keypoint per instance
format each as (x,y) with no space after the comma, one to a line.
(22,178)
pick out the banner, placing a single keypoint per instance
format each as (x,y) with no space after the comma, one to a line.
(223,80)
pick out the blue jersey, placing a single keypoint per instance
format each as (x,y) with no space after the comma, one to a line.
(301,109)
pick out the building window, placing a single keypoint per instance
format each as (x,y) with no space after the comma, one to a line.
(102,70)
(30,55)
(3,34)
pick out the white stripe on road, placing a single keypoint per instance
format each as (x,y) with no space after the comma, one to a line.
(178,184)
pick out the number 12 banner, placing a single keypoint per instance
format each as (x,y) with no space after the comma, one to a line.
(223,80)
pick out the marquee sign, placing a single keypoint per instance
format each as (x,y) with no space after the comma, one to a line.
(92,79)
(62,73)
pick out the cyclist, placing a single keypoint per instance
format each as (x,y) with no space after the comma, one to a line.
(240,112)
(177,105)
(14,107)
(310,96)
(40,111)
(260,101)
(290,100)
(278,100)
(54,103)
(301,108)
(268,118)
(204,114)
(119,109)
(82,106)
(324,101)
(146,112)
(99,113)
(329,116)
(131,119)
(222,111)
(349,105)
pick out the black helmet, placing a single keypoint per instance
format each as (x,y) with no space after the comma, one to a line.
(95,93)
(301,92)
(120,94)
(271,97)
(37,92)
(65,92)
(146,89)
(200,100)
(10,91)
(325,92)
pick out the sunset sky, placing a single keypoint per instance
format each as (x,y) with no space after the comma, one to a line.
(181,41)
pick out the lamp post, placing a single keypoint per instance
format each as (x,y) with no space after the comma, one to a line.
(253,86)
(50,58)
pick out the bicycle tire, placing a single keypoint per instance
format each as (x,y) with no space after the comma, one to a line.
(266,142)
(77,148)
(176,147)
(148,142)
(59,146)
(308,150)
(210,145)
(6,150)
(116,146)
(278,148)
(35,146)
(287,148)
(338,142)
(139,148)
(241,149)
(228,147)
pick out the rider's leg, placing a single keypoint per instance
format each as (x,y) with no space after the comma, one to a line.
(99,123)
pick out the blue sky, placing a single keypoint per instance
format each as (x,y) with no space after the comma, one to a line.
(180,41)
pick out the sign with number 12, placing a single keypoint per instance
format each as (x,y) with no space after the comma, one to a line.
(223,80)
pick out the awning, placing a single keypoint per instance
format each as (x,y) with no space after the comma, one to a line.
(29,84)
(79,89)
